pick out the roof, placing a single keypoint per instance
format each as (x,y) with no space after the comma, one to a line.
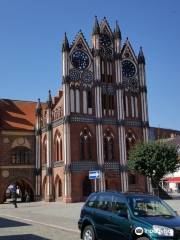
(172,179)
(17,115)
(129,194)
(174,140)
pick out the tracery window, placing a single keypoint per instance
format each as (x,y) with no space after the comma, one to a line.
(85,145)
(58,147)
(21,155)
(108,141)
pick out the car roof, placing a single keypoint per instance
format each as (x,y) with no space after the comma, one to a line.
(136,195)
(127,194)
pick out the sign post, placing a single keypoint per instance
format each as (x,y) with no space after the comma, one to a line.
(94,175)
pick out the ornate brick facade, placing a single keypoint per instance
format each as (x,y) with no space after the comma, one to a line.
(99,113)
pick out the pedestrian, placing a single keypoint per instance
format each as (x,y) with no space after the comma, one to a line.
(27,197)
(14,196)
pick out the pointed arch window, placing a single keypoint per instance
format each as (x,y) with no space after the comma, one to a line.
(58,147)
(85,145)
(89,99)
(61,157)
(44,149)
(85,102)
(72,100)
(126,105)
(108,104)
(108,141)
(107,71)
(58,187)
(103,71)
(136,106)
(77,100)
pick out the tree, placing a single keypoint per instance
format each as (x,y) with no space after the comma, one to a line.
(154,160)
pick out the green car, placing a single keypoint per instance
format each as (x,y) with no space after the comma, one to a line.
(115,216)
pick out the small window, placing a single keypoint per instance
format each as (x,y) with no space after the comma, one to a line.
(92,201)
(89,100)
(104,202)
(132,178)
(21,155)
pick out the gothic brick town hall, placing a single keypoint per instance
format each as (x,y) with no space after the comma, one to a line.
(99,113)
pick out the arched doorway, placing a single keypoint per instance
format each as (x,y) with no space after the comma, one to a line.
(44,188)
(87,187)
(24,190)
(58,188)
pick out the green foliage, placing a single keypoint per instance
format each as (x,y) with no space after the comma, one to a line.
(153,160)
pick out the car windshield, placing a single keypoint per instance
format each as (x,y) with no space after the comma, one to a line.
(149,207)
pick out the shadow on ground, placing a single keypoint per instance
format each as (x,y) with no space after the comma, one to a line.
(23,237)
(5,223)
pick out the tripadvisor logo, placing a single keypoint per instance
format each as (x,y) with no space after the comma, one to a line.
(139,231)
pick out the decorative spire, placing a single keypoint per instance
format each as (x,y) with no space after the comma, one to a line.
(117,31)
(49,101)
(96,28)
(38,108)
(65,45)
(141,58)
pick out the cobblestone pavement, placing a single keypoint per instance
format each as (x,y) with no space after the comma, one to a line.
(41,220)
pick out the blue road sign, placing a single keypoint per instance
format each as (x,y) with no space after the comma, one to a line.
(94,174)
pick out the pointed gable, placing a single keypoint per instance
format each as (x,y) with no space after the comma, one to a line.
(81,61)
(81,44)
(105,28)
(128,52)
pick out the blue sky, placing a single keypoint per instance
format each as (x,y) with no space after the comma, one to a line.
(31,33)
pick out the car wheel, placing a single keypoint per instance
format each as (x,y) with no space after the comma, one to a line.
(88,233)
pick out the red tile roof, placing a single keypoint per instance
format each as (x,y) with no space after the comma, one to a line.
(17,115)
(172,179)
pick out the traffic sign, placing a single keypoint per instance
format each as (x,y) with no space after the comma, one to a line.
(94,174)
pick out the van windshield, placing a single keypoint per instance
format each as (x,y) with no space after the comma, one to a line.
(149,207)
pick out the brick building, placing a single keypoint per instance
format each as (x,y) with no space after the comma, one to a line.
(99,113)
(17,146)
